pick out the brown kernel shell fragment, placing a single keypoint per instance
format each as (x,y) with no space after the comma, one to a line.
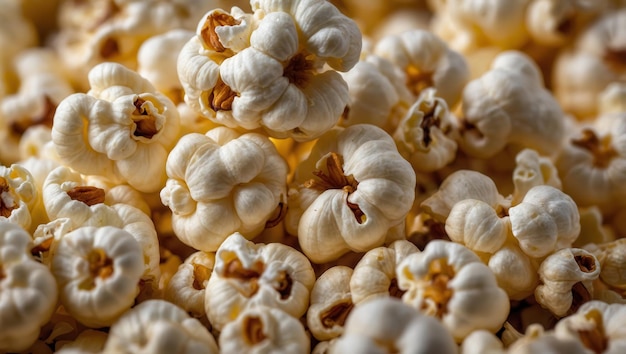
(601,149)
(335,178)
(87,194)
(221,97)
(209,36)
(201,275)
(253,330)
(234,269)
(146,123)
(285,284)
(5,210)
(336,315)
(586,263)
(428,121)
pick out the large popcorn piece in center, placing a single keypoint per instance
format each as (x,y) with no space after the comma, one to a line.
(275,69)
(351,190)
(223,182)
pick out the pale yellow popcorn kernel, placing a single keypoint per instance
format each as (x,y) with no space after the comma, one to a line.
(330,304)
(449,282)
(566,280)
(246,275)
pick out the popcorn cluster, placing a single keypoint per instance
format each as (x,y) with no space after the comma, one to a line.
(313,176)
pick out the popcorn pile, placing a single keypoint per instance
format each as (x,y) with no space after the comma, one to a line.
(313,176)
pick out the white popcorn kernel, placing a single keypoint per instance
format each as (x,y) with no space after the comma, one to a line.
(472,24)
(42,86)
(159,327)
(448,281)
(377,93)
(386,325)
(582,72)
(510,105)
(100,31)
(515,271)
(69,196)
(532,170)
(351,190)
(277,82)
(120,126)
(264,330)
(595,158)
(330,304)
(223,182)
(18,195)
(187,286)
(566,280)
(598,326)
(477,225)
(247,275)
(555,22)
(88,341)
(425,136)
(375,274)
(461,185)
(546,220)
(90,265)
(612,258)
(27,288)
(427,62)
(157,59)
(481,342)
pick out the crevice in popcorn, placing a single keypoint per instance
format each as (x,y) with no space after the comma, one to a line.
(336,314)
(253,330)
(335,178)
(7,201)
(601,148)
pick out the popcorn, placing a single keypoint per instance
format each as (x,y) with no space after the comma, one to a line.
(566,280)
(351,190)
(383,323)
(265,70)
(425,136)
(187,286)
(29,291)
(18,195)
(375,274)
(427,62)
(449,282)
(509,105)
(264,329)
(330,304)
(312,176)
(246,185)
(246,275)
(92,263)
(157,326)
(122,123)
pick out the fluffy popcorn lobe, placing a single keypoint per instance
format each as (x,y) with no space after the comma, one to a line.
(284,79)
